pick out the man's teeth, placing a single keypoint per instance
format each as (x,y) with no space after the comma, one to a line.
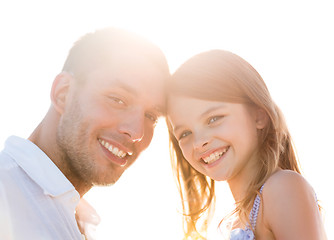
(214,156)
(114,150)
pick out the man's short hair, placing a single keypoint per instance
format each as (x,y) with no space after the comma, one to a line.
(96,49)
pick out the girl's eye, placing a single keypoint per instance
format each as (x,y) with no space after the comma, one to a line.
(184,134)
(214,119)
(151,117)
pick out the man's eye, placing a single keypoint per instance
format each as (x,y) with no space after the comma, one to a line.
(117,100)
(213,119)
(152,117)
(184,134)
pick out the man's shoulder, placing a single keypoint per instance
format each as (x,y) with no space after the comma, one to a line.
(6,162)
(7,154)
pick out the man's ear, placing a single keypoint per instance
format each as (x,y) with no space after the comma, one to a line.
(262,118)
(59,91)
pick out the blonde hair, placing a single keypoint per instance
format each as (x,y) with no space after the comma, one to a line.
(219,75)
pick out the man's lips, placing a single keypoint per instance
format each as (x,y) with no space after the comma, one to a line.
(120,154)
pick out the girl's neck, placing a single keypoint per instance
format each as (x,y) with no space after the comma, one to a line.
(239,184)
(238,187)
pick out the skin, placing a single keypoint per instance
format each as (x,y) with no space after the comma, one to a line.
(215,127)
(118,103)
(289,209)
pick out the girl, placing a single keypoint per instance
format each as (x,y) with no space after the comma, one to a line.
(224,126)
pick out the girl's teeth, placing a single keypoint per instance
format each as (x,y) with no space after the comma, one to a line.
(214,156)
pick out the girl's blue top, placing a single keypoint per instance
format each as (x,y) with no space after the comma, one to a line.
(247,233)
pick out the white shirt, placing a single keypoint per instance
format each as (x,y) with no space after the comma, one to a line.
(36,200)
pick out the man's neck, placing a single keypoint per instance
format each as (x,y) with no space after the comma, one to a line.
(44,136)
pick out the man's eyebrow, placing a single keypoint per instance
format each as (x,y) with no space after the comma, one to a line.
(159,109)
(126,87)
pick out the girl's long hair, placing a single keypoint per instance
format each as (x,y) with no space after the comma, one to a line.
(219,75)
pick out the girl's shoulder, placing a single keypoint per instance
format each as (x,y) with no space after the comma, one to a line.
(287,177)
(287,185)
(288,200)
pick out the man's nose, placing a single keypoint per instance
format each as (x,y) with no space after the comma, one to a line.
(133,125)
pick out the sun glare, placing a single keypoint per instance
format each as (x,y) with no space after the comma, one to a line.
(289,44)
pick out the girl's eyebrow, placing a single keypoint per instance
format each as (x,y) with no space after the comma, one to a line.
(212,109)
(177,128)
(208,111)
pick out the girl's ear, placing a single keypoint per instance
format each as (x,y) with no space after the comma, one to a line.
(262,118)
(59,91)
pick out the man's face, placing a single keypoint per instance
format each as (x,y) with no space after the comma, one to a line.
(109,119)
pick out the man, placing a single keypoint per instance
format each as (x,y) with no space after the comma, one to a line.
(104,106)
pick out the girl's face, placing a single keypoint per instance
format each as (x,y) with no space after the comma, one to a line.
(218,139)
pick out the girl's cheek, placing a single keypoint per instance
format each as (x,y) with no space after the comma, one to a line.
(185,151)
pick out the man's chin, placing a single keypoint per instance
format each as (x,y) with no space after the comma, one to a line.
(106,181)
(103,176)
(103,184)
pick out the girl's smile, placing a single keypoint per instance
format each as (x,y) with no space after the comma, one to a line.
(218,139)
(214,156)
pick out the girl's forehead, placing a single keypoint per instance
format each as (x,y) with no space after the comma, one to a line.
(181,107)
(179,101)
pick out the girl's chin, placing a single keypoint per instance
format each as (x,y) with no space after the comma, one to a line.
(216,177)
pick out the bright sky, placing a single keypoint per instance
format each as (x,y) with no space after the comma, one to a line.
(290,43)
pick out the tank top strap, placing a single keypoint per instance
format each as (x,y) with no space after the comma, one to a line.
(255,210)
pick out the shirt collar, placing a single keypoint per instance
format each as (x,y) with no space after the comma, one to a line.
(38,166)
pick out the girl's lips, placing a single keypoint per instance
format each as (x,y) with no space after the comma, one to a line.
(215,157)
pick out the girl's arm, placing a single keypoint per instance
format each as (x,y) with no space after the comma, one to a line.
(290,208)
